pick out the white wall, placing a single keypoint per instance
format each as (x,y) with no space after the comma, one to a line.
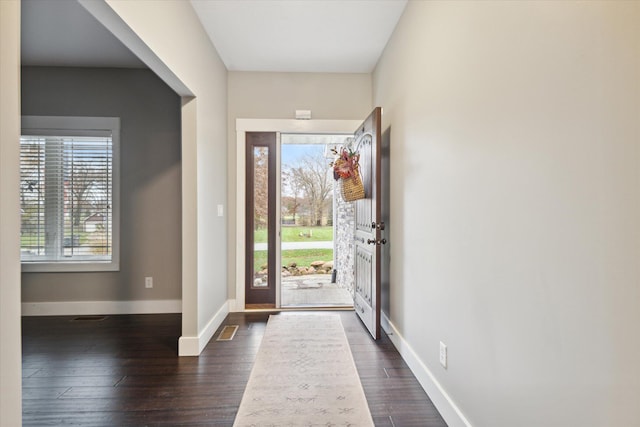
(168,36)
(515,205)
(267,95)
(10,350)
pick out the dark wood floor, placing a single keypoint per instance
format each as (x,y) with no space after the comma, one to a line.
(123,371)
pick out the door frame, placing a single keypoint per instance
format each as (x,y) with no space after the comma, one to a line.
(291,126)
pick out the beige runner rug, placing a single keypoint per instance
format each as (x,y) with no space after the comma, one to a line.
(304,375)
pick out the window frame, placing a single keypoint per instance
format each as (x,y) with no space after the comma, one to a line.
(81,126)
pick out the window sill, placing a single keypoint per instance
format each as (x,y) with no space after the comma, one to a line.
(69,267)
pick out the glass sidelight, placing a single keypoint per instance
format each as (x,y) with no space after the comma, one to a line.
(260,286)
(260,216)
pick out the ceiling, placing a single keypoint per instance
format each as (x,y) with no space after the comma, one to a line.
(62,33)
(250,35)
(300,35)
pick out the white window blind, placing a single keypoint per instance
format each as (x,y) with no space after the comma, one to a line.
(67,196)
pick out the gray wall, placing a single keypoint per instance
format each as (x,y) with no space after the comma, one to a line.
(515,205)
(150,200)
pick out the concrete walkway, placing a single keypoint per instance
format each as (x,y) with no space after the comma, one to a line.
(313,290)
(297,245)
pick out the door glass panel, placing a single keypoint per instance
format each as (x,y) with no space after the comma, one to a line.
(260,217)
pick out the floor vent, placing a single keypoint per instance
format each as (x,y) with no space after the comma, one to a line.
(88,319)
(227,333)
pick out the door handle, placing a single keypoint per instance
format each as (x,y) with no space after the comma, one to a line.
(376,242)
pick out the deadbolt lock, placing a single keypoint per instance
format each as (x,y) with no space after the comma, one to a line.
(376,242)
(379,225)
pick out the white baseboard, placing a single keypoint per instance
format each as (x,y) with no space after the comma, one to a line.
(193,346)
(442,401)
(80,308)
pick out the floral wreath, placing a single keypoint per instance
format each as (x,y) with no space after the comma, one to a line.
(345,165)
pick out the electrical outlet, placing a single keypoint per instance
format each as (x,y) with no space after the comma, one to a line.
(443,355)
(220,210)
(148,282)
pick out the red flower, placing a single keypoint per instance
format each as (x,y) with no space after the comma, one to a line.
(345,166)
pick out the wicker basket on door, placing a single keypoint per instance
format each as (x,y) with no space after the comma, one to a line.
(352,187)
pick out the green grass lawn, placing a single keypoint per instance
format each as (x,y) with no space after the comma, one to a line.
(292,234)
(31,240)
(302,257)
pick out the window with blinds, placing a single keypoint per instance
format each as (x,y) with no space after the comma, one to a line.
(68,193)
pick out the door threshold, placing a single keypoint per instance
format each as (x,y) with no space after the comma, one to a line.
(317,307)
(260,306)
(305,308)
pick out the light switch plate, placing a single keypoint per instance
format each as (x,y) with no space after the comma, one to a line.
(443,355)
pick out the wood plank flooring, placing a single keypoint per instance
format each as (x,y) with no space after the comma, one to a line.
(124,371)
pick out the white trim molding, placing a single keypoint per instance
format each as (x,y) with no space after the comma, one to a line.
(79,308)
(438,395)
(297,126)
(193,346)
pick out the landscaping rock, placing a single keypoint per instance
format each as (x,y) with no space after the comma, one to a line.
(328,265)
(317,263)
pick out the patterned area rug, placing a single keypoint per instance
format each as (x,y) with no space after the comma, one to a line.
(304,375)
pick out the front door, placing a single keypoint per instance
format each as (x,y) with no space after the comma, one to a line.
(369,233)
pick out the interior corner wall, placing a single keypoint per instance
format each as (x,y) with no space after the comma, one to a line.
(10,350)
(172,33)
(270,95)
(515,205)
(150,231)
